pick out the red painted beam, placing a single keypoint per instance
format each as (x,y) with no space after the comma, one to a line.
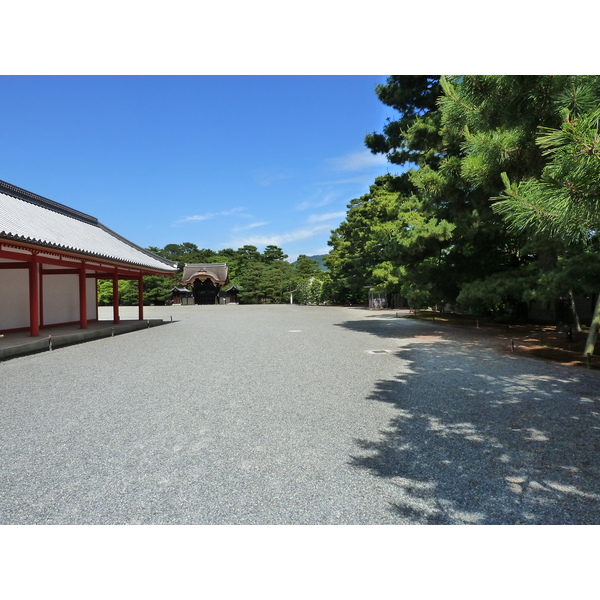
(60,271)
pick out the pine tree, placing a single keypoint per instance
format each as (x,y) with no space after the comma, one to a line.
(563,203)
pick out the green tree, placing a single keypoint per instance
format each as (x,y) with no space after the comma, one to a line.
(105,292)
(261,278)
(158,289)
(277,276)
(438,232)
(128,292)
(362,253)
(248,253)
(392,242)
(249,281)
(562,204)
(431,231)
(490,127)
(305,267)
(413,138)
(273,253)
(310,291)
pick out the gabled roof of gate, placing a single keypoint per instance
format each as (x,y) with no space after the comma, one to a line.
(27,217)
(215,271)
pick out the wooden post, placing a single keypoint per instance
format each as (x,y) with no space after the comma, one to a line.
(82,298)
(116,297)
(41,296)
(141,297)
(34,297)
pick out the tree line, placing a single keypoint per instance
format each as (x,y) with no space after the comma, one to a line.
(496,201)
(261,277)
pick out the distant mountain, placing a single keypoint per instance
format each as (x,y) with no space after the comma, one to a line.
(320,258)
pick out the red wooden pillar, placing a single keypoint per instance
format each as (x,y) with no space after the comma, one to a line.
(41,295)
(116,297)
(82,298)
(141,298)
(34,296)
(96,296)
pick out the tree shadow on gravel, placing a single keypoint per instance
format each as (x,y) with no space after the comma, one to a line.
(482,438)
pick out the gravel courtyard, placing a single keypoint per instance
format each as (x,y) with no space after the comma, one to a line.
(296,415)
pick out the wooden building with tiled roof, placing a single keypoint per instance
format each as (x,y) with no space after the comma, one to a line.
(51,257)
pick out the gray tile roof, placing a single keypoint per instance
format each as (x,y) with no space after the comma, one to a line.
(30,218)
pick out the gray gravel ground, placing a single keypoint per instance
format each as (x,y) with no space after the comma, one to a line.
(286,415)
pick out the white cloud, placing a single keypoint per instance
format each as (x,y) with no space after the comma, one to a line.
(207,216)
(356,161)
(278,239)
(250,226)
(365,179)
(326,217)
(270,175)
(322,200)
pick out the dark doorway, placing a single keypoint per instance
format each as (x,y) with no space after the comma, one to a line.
(205,292)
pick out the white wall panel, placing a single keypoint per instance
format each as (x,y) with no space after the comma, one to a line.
(14,298)
(61,299)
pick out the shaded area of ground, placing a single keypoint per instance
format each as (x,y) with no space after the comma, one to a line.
(526,339)
(481,437)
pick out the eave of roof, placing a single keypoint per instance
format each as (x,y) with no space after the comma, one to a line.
(32,219)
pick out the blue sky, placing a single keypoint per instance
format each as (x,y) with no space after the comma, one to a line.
(219,161)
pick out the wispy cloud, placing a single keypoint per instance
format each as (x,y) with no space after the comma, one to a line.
(270,175)
(320,199)
(359,179)
(208,216)
(332,216)
(250,226)
(356,161)
(278,239)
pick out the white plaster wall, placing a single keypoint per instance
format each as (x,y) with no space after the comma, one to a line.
(61,299)
(14,298)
